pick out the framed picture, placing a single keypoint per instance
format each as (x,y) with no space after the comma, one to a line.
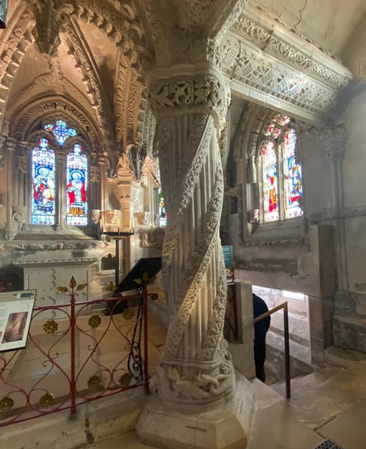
(16,309)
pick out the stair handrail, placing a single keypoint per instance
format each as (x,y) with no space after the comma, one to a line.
(283,306)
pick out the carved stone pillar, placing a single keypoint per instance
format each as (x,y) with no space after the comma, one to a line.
(127,192)
(61,191)
(10,229)
(335,140)
(196,373)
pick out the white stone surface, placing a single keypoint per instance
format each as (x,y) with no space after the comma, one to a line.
(224,427)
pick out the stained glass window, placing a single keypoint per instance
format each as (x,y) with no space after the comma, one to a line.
(76,188)
(292,176)
(163,217)
(43,185)
(60,131)
(270,182)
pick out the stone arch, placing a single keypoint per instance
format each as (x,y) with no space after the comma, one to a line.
(24,120)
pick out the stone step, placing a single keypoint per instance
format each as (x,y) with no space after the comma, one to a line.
(302,383)
(342,358)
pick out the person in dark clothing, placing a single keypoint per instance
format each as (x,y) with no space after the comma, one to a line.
(260,332)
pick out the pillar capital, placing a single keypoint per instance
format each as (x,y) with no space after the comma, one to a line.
(334,139)
(189,89)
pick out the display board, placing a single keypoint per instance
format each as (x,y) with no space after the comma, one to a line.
(16,309)
(229,263)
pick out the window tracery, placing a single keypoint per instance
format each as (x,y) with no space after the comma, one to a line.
(76,188)
(56,186)
(43,184)
(281,172)
(60,131)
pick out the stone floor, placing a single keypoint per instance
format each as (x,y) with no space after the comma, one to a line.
(327,411)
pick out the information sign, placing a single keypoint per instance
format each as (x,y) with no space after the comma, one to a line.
(16,309)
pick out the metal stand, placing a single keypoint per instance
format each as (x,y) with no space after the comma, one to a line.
(117,237)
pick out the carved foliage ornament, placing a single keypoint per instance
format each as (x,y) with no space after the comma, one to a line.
(205,93)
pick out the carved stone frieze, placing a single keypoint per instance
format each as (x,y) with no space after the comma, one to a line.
(275,43)
(248,67)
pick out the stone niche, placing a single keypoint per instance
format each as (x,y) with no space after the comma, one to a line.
(46,275)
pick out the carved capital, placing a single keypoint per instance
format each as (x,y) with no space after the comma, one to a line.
(183,89)
(334,140)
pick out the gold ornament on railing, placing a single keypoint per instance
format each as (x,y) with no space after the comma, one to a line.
(128,314)
(95,321)
(72,288)
(145,280)
(50,327)
(94,382)
(6,404)
(47,400)
(111,287)
(126,379)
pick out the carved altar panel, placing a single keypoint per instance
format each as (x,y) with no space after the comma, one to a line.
(46,276)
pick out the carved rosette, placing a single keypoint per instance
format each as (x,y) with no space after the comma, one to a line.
(196,369)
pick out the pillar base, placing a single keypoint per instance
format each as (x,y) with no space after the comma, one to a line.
(224,427)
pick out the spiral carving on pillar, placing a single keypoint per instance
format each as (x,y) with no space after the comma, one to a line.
(196,365)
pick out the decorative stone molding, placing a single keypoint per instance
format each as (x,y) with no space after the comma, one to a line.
(21,164)
(16,39)
(94,174)
(201,88)
(150,170)
(84,60)
(228,14)
(47,26)
(142,218)
(20,214)
(112,217)
(95,216)
(153,238)
(23,121)
(248,69)
(55,246)
(120,25)
(279,41)
(350,212)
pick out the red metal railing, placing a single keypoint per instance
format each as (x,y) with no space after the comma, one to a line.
(85,371)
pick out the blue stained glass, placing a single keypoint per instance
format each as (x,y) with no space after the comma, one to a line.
(292,177)
(76,188)
(163,217)
(270,182)
(43,185)
(60,131)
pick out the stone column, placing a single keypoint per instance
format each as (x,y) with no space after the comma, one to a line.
(10,229)
(334,140)
(196,373)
